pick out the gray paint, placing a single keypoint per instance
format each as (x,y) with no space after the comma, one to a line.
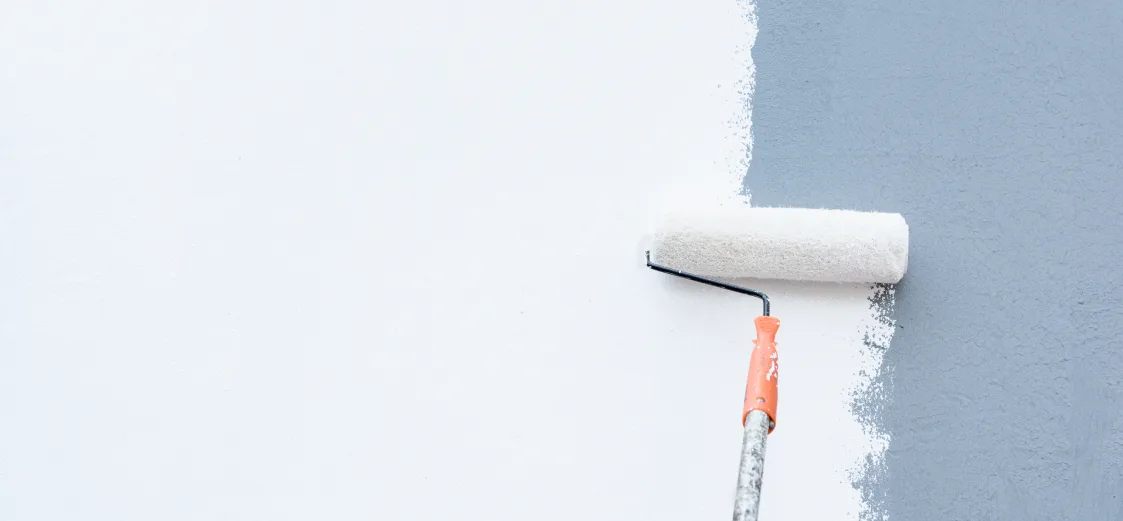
(996,129)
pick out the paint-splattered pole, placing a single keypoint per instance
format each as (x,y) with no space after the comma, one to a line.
(751,470)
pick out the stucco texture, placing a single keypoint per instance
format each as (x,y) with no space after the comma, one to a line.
(997,130)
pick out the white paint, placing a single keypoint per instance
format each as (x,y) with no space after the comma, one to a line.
(818,443)
(383,261)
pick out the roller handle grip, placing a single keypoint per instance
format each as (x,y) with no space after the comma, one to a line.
(760,387)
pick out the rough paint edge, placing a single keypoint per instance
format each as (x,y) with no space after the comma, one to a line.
(742,122)
(870,396)
(869,400)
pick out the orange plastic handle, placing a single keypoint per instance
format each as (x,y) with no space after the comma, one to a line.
(760,389)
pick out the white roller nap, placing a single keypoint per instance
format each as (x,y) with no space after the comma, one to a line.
(784,243)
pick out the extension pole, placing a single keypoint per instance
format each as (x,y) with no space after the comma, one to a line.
(751,471)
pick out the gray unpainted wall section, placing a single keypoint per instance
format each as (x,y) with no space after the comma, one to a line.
(996,128)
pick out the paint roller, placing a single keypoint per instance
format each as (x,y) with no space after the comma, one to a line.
(704,244)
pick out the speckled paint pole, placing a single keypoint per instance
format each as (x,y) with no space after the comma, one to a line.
(751,471)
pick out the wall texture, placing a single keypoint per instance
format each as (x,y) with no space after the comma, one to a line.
(357,260)
(997,129)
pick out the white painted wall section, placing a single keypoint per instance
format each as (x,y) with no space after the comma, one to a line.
(354,260)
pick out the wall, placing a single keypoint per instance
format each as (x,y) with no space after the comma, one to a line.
(995,128)
(348,260)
